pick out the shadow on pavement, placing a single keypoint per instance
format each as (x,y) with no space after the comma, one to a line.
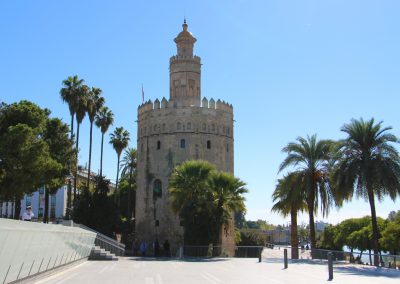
(368,271)
(177,259)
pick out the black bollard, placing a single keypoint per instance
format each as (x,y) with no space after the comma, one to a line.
(330,266)
(285,258)
(259,256)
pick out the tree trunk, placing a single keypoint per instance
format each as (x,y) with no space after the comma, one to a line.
(375,229)
(17,208)
(310,204)
(72,127)
(129,194)
(294,235)
(76,168)
(116,184)
(370,258)
(90,154)
(101,154)
(46,205)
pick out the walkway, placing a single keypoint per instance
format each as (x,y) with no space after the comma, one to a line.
(216,271)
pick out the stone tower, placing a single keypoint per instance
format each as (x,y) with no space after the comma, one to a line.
(185,127)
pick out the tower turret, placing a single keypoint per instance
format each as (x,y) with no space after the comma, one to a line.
(185,71)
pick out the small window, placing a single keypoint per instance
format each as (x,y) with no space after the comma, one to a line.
(155,128)
(163,127)
(157,223)
(183,143)
(189,126)
(213,127)
(178,126)
(229,131)
(227,147)
(208,144)
(204,127)
(158,145)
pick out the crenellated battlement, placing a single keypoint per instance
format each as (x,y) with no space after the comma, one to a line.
(205,103)
(176,58)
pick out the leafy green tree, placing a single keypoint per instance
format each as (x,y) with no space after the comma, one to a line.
(369,166)
(97,210)
(289,198)
(311,158)
(119,139)
(349,226)
(129,162)
(391,237)
(93,105)
(329,239)
(104,119)
(24,155)
(60,149)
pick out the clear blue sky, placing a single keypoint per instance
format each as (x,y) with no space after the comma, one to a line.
(289,68)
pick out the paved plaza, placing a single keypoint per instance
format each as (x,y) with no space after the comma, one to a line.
(216,271)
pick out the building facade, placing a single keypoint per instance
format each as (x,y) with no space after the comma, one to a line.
(184,127)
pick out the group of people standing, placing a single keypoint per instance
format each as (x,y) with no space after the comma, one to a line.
(142,249)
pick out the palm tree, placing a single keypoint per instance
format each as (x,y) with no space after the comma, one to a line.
(128,166)
(80,115)
(311,158)
(290,199)
(119,139)
(368,166)
(227,197)
(104,119)
(69,94)
(94,103)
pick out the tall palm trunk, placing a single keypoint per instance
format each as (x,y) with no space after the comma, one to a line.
(46,205)
(129,193)
(17,207)
(375,229)
(101,154)
(116,183)
(294,241)
(312,222)
(90,154)
(76,168)
(72,126)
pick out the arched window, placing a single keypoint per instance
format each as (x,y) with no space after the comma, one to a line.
(204,127)
(163,127)
(227,147)
(157,189)
(229,131)
(155,128)
(158,145)
(189,126)
(213,127)
(183,143)
(178,126)
(208,144)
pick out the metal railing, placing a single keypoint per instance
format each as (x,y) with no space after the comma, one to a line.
(355,257)
(105,242)
(222,251)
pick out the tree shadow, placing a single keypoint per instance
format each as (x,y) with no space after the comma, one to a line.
(190,259)
(368,271)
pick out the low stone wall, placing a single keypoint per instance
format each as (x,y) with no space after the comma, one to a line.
(28,248)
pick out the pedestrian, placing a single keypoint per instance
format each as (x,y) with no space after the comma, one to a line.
(143,248)
(28,214)
(156,248)
(166,247)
